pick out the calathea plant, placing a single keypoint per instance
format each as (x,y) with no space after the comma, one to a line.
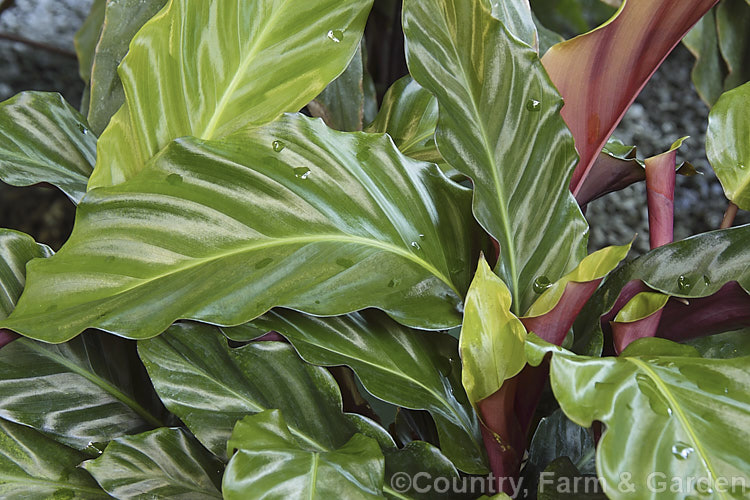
(245,282)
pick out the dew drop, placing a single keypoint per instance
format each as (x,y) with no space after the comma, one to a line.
(682,451)
(174,179)
(336,35)
(415,245)
(302,173)
(317,302)
(83,129)
(278,146)
(683,283)
(541,284)
(263,263)
(421,236)
(346,263)
(533,105)
(741,166)
(706,280)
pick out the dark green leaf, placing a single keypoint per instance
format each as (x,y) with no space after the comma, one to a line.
(43,139)
(418,460)
(208,69)
(86,38)
(404,367)
(562,480)
(223,231)
(16,249)
(500,125)
(122,19)
(211,386)
(272,460)
(34,466)
(85,391)
(163,463)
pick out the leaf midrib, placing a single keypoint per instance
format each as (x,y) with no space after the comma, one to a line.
(210,128)
(676,407)
(96,380)
(322,238)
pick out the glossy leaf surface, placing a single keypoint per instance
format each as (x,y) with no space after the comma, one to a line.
(695,413)
(409,114)
(86,38)
(85,391)
(517,151)
(599,74)
(34,466)
(43,139)
(163,463)
(222,231)
(414,458)
(122,19)
(211,386)
(207,69)
(16,250)
(728,146)
(270,459)
(492,338)
(408,368)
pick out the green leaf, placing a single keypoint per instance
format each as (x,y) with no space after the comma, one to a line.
(709,71)
(407,368)
(500,125)
(122,19)
(163,463)
(81,392)
(724,345)
(270,459)
(516,16)
(732,18)
(409,114)
(641,306)
(16,250)
(43,139)
(208,69)
(727,144)
(594,267)
(211,386)
(342,104)
(492,338)
(688,268)
(418,457)
(34,466)
(562,480)
(694,412)
(86,37)
(223,231)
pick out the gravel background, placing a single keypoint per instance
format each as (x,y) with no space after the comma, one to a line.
(667,109)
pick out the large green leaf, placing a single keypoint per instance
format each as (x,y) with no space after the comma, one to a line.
(43,139)
(223,231)
(500,125)
(411,369)
(88,390)
(270,459)
(695,267)
(122,19)
(732,18)
(709,71)
(492,338)
(211,386)
(418,457)
(16,249)
(163,463)
(728,144)
(693,412)
(34,466)
(409,114)
(207,69)
(86,38)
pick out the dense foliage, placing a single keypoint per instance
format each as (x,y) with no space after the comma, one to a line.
(280,286)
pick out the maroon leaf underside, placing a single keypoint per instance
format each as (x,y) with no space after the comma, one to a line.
(660,183)
(609,174)
(6,337)
(599,74)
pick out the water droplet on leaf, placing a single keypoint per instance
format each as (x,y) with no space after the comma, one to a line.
(533,105)
(346,263)
(706,280)
(302,173)
(741,166)
(683,283)
(263,263)
(83,129)
(336,35)
(174,179)
(682,451)
(415,245)
(541,284)
(278,146)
